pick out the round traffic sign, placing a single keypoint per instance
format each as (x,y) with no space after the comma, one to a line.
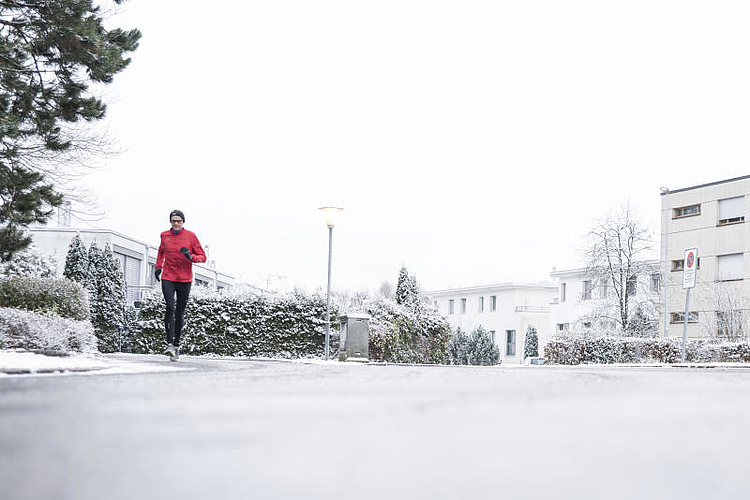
(690,259)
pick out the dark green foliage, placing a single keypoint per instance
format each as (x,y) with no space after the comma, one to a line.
(25,199)
(239,325)
(50,52)
(106,286)
(60,296)
(475,348)
(531,343)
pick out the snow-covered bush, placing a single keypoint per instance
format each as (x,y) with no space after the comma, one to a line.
(475,348)
(409,333)
(30,263)
(566,350)
(240,324)
(27,330)
(531,343)
(57,295)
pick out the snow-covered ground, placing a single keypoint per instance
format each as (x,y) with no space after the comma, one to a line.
(17,362)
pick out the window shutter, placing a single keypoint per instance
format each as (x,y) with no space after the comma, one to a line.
(732,208)
(731,267)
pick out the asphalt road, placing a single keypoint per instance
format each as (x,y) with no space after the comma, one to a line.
(223,429)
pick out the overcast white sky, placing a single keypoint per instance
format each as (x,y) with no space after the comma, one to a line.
(473,141)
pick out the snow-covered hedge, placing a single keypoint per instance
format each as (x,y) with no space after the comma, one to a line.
(475,348)
(57,295)
(566,350)
(27,330)
(237,324)
(406,333)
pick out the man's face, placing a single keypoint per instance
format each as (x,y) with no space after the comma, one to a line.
(176,221)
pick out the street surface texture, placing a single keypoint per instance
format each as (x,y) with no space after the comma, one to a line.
(225,429)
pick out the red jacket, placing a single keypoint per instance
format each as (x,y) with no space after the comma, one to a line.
(176,267)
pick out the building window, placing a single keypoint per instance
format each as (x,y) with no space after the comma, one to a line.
(655,282)
(493,303)
(688,211)
(604,287)
(679,317)
(730,267)
(451,306)
(481,304)
(510,342)
(732,210)
(587,290)
(632,286)
(463,306)
(563,286)
(679,265)
(492,335)
(562,327)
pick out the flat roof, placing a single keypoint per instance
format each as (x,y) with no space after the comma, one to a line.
(706,185)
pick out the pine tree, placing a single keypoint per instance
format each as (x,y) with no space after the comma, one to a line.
(50,52)
(402,286)
(77,262)
(111,290)
(95,258)
(531,343)
(407,290)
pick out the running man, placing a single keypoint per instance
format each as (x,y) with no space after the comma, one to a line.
(178,250)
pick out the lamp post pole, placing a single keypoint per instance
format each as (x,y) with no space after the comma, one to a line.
(330,215)
(665,193)
(328,295)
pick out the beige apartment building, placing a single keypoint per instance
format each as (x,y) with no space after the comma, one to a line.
(712,218)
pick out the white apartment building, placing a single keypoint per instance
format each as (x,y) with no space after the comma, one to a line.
(581,299)
(138,259)
(505,310)
(712,218)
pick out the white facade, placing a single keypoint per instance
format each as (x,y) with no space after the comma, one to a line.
(580,296)
(712,218)
(138,259)
(505,310)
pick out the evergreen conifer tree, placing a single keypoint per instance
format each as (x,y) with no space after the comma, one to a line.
(95,258)
(111,290)
(77,262)
(402,286)
(531,343)
(51,51)
(407,290)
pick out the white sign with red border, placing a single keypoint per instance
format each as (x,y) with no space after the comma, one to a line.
(691,261)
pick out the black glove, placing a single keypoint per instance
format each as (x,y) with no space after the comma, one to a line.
(186,253)
(157,274)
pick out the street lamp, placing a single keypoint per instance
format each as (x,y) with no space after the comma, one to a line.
(665,194)
(331,214)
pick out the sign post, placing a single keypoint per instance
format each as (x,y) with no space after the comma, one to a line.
(688,282)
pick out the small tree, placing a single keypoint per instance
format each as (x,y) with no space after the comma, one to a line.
(407,290)
(531,343)
(77,262)
(475,348)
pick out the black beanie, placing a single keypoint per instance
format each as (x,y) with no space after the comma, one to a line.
(178,213)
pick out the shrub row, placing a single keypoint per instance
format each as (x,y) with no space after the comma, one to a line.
(28,330)
(230,324)
(56,295)
(567,350)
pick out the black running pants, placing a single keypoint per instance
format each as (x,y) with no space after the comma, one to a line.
(175,315)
